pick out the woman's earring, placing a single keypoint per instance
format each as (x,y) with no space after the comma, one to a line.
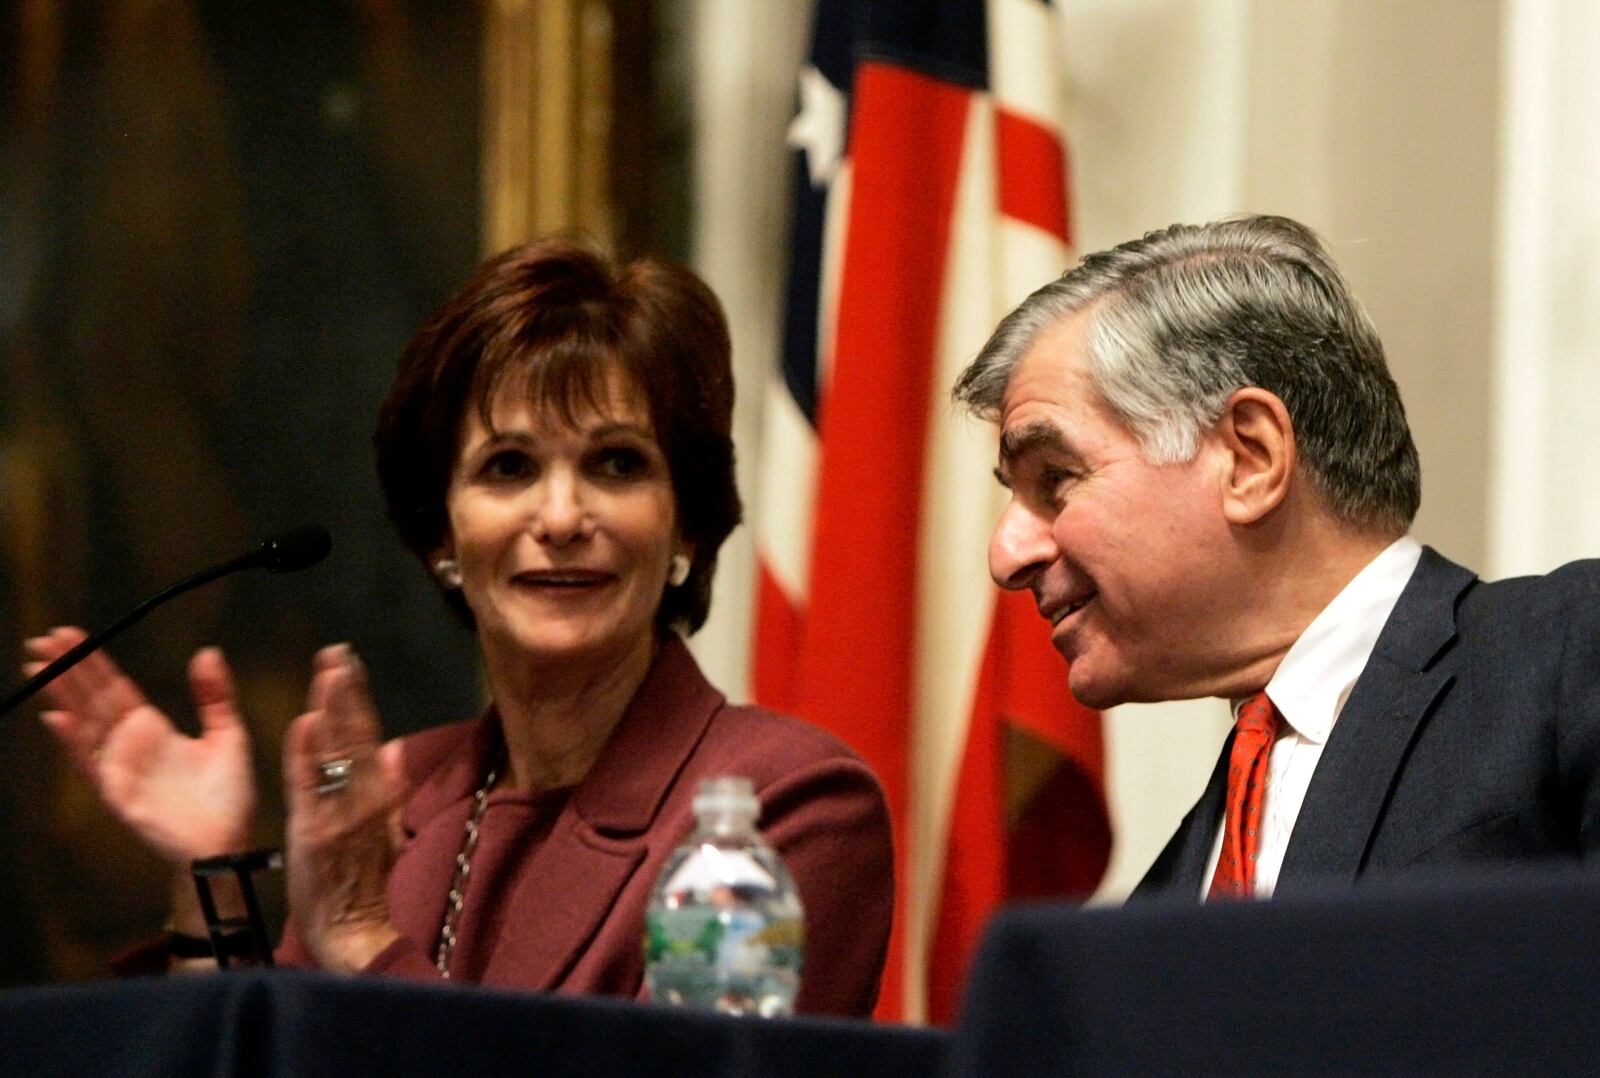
(678,570)
(448,570)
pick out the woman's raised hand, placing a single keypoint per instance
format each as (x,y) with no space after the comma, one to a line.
(186,797)
(343,788)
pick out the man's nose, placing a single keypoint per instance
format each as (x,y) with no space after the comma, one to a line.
(1020,547)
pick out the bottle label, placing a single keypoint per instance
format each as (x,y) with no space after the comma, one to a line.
(686,936)
(733,959)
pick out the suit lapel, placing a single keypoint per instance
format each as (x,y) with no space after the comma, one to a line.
(572,882)
(597,845)
(1367,748)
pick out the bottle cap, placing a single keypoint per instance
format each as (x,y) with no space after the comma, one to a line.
(726,795)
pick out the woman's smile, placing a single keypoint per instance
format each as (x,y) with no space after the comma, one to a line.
(557,581)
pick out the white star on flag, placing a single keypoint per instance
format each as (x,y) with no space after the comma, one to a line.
(818,130)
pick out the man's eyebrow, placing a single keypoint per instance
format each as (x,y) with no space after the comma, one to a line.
(1039,434)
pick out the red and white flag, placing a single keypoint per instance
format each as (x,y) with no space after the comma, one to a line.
(930,197)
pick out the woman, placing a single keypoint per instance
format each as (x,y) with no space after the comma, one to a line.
(556,449)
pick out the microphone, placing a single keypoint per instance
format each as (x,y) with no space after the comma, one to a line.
(286,552)
(290,551)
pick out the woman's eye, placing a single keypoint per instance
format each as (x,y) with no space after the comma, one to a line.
(621,462)
(508,464)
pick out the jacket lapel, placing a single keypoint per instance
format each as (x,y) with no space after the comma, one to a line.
(597,845)
(444,768)
(572,882)
(1368,746)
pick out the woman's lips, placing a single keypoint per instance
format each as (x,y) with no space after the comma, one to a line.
(563,579)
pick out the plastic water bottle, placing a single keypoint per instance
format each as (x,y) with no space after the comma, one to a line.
(724,930)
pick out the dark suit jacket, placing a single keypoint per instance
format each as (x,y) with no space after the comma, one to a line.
(1472,736)
(559,882)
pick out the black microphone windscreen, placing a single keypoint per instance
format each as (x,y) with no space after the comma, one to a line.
(295,549)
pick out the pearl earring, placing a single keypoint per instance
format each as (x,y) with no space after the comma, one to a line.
(448,570)
(678,570)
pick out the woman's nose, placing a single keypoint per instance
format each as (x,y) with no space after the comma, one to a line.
(560,514)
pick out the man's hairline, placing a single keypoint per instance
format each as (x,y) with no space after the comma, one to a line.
(1089,308)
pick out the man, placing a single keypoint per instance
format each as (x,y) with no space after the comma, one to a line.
(1211,484)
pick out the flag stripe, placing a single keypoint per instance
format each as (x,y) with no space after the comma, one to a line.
(1023,76)
(1060,837)
(1033,175)
(784,502)
(1063,840)
(954,590)
(973,884)
(775,675)
(934,212)
(1038,704)
(906,139)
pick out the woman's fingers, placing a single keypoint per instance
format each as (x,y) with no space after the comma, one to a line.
(391,765)
(75,737)
(68,692)
(211,685)
(96,690)
(349,724)
(307,743)
(336,745)
(53,643)
(298,762)
(79,732)
(184,796)
(111,691)
(107,689)
(341,789)
(350,706)
(330,657)
(324,665)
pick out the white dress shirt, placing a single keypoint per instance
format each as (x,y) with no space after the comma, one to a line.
(1309,689)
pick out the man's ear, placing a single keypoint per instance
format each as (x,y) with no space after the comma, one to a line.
(1257,437)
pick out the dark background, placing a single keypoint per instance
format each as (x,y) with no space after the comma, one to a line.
(219,223)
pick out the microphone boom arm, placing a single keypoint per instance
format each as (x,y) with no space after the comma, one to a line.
(296,549)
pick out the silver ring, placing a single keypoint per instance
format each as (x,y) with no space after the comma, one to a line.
(335,774)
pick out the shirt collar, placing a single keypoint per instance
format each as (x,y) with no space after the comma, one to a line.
(1314,679)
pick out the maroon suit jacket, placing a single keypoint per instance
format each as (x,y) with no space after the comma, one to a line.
(559,882)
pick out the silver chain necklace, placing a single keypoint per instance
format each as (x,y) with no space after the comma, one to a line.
(458,886)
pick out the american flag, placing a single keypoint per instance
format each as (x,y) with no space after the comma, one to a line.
(929,198)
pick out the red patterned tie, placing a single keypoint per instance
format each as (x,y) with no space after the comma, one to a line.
(1254,732)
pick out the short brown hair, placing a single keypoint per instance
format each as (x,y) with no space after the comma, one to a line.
(554,317)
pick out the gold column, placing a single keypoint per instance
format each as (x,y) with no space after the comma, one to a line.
(33,449)
(547,120)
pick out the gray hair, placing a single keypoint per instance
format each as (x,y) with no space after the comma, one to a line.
(1188,314)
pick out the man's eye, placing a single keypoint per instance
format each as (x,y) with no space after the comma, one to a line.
(1054,484)
(508,464)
